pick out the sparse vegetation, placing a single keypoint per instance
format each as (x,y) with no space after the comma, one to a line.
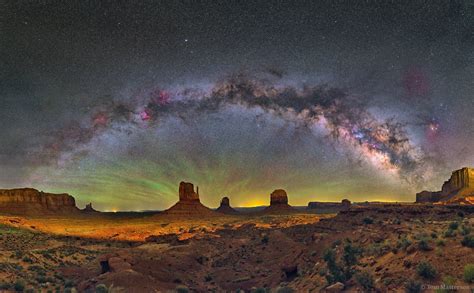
(101,288)
(368,220)
(453,226)
(413,286)
(469,273)
(426,270)
(423,245)
(468,241)
(19,286)
(365,280)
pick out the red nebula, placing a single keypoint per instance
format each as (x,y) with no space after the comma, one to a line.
(100,119)
(144,115)
(415,82)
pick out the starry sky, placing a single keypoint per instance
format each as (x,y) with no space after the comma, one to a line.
(117,102)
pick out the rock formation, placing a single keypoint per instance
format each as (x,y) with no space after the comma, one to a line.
(279,202)
(345,204)
(189,203)
(29,201)
(458,189)
(225,207)
(89,209)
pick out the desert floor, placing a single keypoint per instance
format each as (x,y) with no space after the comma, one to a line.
(380,248)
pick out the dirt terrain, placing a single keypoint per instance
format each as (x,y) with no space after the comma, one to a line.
(371,248)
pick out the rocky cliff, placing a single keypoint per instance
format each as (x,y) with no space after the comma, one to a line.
(32,201)
(458,189)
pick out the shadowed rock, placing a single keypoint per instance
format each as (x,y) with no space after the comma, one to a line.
(31,201)
(225,207)
(189,204)
(89,209)
(279,202)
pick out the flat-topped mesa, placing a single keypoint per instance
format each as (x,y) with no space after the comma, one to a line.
(186,192)
(225,207)
(32,201)
(345,204)
(458,189)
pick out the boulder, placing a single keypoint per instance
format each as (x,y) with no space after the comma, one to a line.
(31,201)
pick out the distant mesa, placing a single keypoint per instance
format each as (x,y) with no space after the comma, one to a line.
(345,204)
(89,209)
(29,201)
(189,203)
(279,202)
(225,207)
(459,189)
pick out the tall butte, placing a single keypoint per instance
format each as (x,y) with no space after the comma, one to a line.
(459,189)
(189,204)
(279,203)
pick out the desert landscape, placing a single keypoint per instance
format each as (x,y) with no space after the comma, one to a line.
(50,245)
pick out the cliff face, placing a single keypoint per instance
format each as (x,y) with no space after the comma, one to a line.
(459,187)
(345,204)
(189,204)
(32,201)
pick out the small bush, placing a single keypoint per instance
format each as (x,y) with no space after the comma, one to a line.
(19,286)
(5,286)
(182,289)
(365,280)
(285,290)
(101,288)
(440,242)
(453,225)
(434,235)
(423,245)
(468,241)
(265,239)
(68,284)
(449,233)
(413,286)
(426,270)
(403,243)
(469,273)
(368,221)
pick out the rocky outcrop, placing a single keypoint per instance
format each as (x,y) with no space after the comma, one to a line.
(31,201)
(89,209)
(458,189)
(345,204)
(225,207)
(279,202)
(189,204)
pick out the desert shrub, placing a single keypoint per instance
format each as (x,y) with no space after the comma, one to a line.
(460,214)
(413,286)
(30,290)
(19,286)
(426,270)
(465,230)
(350,254)
(285,290)
(440,242)
(365,280)
(448,283)
(101,288)
(182,289)
(208,278)
(265,239)
(27,259)
(68,283)
(453,226)
(5,286)
(423,245)
(368,220)
(397,221)
(403,243)
(469,273)
(434,235)
(468,241)
(449,233)
(259,290)
(336,273)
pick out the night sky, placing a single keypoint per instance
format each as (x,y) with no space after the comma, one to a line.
(117,102)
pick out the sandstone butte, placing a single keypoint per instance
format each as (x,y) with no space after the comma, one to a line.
(459,189)
(279,202)
(225,207)
(189,204)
